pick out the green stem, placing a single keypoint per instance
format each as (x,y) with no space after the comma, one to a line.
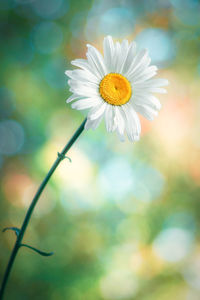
(33,204)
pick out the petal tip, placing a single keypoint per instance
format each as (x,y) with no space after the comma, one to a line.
(68,72)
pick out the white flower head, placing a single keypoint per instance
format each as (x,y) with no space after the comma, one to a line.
(116,87)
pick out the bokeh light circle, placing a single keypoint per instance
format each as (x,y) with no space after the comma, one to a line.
(118,22)
(50,9)
(11,137)
(116,178)
(77,24)
(7,102)
(54,73)
(22,50)
(173,244)
(118,285)
(47,37)
(159,44)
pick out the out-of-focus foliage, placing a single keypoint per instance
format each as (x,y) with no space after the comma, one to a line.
(123,219)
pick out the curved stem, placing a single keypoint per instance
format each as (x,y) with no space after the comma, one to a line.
(33,204)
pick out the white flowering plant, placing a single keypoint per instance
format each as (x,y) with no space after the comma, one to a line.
(115,87)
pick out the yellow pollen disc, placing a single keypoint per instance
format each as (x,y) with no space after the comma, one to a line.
(115,89)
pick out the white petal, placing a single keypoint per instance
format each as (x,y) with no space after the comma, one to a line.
(157,82)
(82,75)
(99,58)
(153,90)
(146,111)
(137,125)
(142,72)
(109,51)
(86,103)
(149,100)
(138,60)
(141,69)
(83,90)
(120,136)
(75,83)
(96,62)
(117,57)
(128,58)
(109,118)
(83,64)
(124,48)
(93,124)
(129,132)
(88,124)
(96,122)
(141,58)
(97,111)
(144,77)
(132,122)
(72,98)
(120,120)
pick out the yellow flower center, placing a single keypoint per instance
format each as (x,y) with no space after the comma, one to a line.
(115,89)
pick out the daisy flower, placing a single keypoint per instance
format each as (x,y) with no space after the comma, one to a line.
(116,87)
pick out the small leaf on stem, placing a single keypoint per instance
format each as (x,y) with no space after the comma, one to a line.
(15,229)
(37,250)
(62,156)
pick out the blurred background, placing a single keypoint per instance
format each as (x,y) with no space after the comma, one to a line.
(123,219)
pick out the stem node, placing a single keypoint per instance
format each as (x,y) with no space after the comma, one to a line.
(62,156)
